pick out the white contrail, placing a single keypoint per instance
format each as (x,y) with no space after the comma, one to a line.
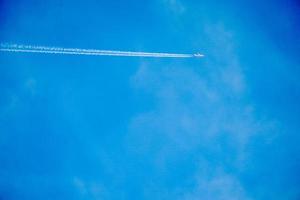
(94,52)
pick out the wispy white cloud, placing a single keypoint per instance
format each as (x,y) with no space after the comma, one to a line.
(89,189)
(193,111)
(31,85)
(220,186)
(15,100)
(196,107)
(175,6)
(224,58)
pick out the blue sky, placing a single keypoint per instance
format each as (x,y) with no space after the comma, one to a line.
(222,127)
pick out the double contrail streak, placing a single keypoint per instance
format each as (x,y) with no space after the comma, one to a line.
(90,52)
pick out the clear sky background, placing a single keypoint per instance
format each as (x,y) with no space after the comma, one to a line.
(222,127)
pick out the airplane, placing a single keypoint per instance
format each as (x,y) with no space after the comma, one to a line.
(198,55)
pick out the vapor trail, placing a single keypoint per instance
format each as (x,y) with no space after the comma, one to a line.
(92,52)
